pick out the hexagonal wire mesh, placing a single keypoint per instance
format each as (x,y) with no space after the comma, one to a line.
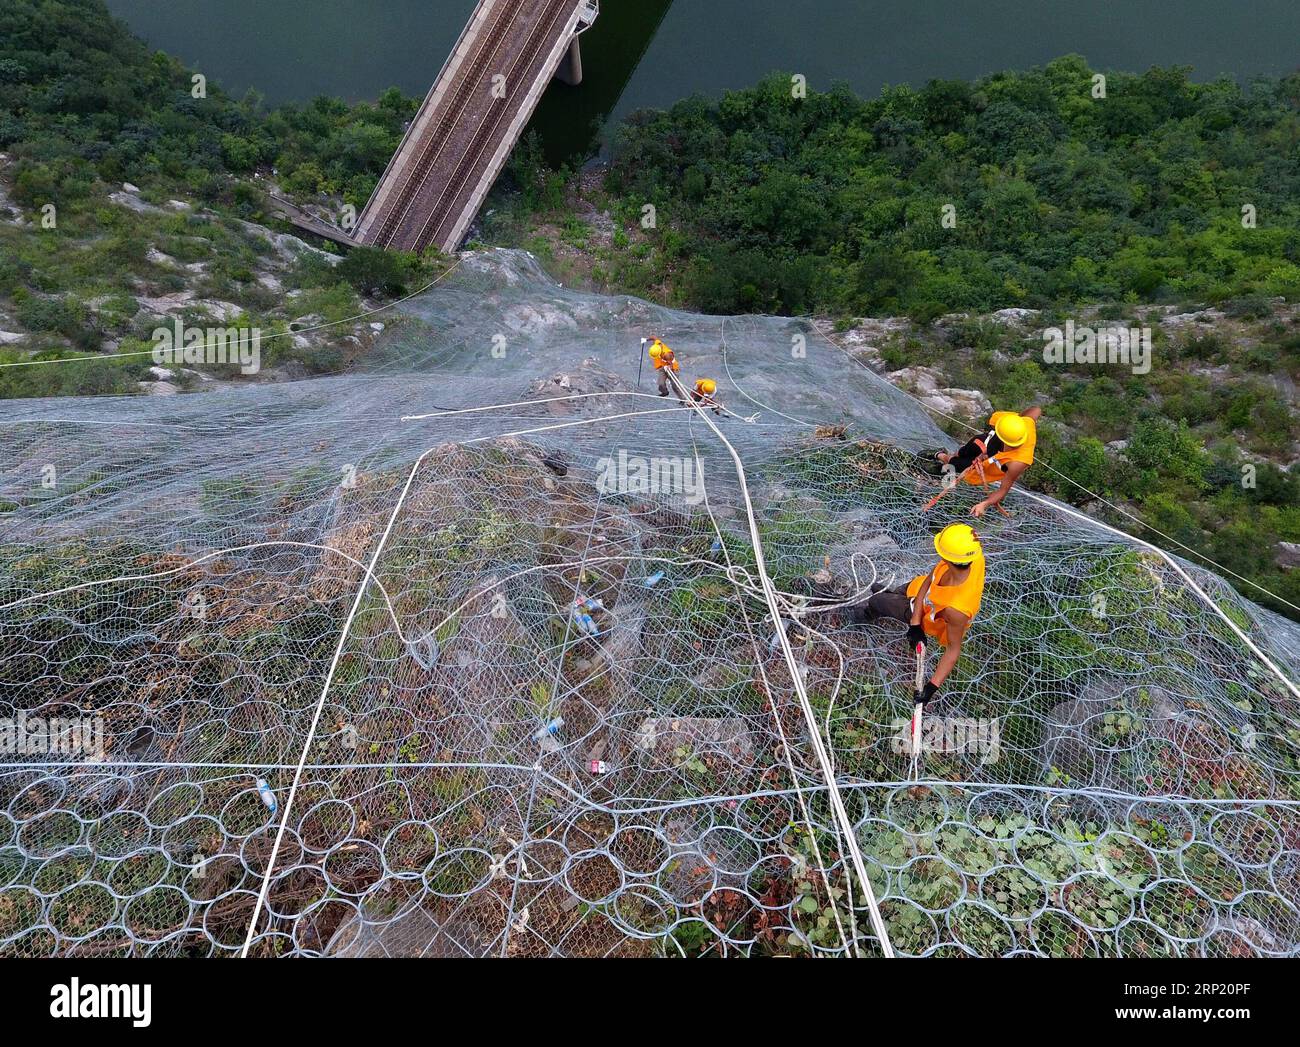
(469,653)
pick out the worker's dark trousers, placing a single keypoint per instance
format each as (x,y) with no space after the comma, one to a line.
(892,603)
(666,387)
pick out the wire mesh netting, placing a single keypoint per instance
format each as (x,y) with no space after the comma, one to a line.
(470,652)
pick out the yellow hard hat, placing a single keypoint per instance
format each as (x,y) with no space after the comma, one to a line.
(1012,430)
(957,544)
(707,385)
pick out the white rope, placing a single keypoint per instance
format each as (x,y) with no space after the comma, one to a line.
(1250,644)
(343,637)
(796,678)
(786,749)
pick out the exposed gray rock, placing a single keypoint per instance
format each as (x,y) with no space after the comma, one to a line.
(414,932)
(1288,554)
(1014,317)
(168,303)
(1201,316)
(134,203)
(159,388)
(926,384)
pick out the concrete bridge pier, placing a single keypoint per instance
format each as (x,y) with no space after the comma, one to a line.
(570,71)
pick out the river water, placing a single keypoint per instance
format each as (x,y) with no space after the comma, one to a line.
(653,52)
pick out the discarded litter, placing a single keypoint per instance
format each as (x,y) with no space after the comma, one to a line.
(582,610)
(268,797)
(654,579)
(598,767)
(548,730)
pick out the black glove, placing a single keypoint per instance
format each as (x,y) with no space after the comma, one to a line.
(915,635)
(926,694)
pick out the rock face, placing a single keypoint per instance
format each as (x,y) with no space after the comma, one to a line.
(1014,317)
(133,203)
(1288,555)
(589,379)
(1201,316)
(925,384)
(863,341)
(10,213)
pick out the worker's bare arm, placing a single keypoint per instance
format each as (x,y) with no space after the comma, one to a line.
(1013,472)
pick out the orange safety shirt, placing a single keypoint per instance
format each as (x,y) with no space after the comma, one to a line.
(964,597)
(992,470)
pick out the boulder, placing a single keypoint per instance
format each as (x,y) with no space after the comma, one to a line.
(925,383)
(1288,555)
(134,203)
(1014,317)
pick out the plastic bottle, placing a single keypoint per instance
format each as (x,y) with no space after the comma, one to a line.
(654,579)
(583,609)
(268,797)
(551,728)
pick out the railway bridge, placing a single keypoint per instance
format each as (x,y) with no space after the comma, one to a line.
(471,119)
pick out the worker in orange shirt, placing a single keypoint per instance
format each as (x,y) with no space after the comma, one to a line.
(664,361)
(999,456)
(703,392)
(937,606)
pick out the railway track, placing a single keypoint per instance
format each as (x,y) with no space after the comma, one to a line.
(424,167)
(470,78)
(543,36)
